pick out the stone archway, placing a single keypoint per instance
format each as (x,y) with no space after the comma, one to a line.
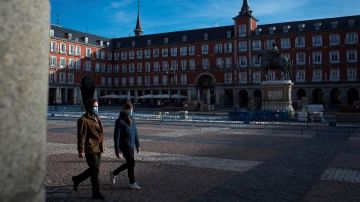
(206,88)
(335,96)
(352,96)
(257,99)
(243,99)
(317,96)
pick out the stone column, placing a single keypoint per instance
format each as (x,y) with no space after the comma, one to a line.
(24,48)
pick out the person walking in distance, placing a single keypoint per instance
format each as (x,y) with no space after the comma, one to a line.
(90,143)
(125,141)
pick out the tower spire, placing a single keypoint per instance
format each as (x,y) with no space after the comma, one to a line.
(138,30)
(245,9)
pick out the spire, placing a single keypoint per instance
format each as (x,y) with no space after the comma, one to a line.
(138,30)
(245,9)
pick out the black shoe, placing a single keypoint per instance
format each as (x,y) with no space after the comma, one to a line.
(98,196)
(75,184)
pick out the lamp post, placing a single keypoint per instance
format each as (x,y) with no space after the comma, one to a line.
(171,72)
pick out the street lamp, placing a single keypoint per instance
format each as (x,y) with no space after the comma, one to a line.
(171,72)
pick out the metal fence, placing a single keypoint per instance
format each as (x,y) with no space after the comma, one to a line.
(180,120)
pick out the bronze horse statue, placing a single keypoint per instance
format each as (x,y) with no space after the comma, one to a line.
(273,60)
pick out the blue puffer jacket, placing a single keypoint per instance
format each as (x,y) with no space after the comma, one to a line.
(125,133)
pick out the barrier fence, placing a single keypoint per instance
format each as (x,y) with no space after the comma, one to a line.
(181,120)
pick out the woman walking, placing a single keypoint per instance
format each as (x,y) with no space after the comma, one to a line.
(125,141)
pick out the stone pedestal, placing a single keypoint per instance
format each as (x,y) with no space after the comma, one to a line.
(276,96)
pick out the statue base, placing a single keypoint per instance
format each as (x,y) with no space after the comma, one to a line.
(276,96)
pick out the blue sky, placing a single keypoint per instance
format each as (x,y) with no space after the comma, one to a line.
(117,18)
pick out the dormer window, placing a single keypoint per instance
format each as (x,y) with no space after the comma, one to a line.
(108,44)
(286,28)
(86,39)
(100,42)
(51,32)
(76,39)
(351,22)
(228,34)
(206,36)
(258,31)
(317,26)
(149,42)
(272,29)
(166,40)
(334,24)
(301,27)
(133,43)
(184,39)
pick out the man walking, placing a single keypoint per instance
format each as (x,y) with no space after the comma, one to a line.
(90,144)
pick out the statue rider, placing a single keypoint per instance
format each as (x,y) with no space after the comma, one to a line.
(274,52)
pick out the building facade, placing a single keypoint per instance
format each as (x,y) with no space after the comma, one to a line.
(217,65)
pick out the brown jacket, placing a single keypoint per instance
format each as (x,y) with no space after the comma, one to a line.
(90,134)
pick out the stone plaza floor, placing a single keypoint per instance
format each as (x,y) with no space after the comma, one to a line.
(213,164)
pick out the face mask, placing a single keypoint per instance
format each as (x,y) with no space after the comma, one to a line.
(95,110)
(131,112)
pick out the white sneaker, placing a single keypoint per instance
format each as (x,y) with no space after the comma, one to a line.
(112,177)
(134,186)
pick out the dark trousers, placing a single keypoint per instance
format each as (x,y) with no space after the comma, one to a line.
(128,154)
(93,161)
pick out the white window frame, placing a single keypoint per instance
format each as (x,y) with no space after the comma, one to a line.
(53,61)
(300,58)
(285,43)
(334,75)
(205,49)
(351,74)
(300,42)
(173,51)
(191,50)
(351,55)
(228,47)
(317,40)
(242,30)
(242,46)
(243,61)
(243,78)
(317,75)
(334,57)
(334,39)
(351,38)
(317,57)
(164,52)
(88,53)
(300,75)
(62,63)
(256,45)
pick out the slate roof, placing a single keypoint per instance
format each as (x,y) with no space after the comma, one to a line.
(174,38)
(214,33)
(220,33)
(326,25)
(60,32)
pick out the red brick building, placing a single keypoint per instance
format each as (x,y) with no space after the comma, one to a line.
(217,65)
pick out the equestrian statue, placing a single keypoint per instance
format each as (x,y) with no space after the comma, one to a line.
(273,60)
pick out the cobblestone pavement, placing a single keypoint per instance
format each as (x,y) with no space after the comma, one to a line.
(211,164)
